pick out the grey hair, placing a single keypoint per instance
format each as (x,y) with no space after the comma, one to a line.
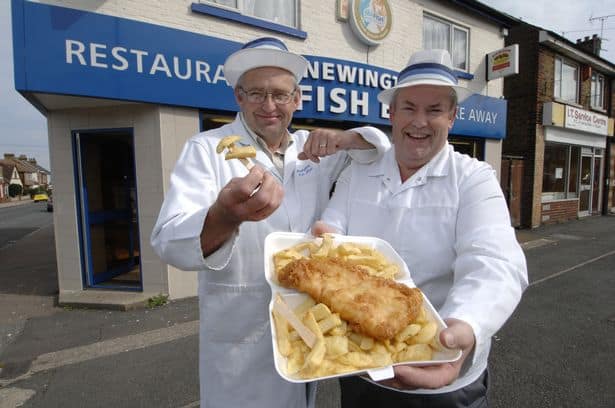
(239,82)
(452,94)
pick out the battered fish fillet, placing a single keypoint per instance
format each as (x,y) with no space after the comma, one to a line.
(373,306)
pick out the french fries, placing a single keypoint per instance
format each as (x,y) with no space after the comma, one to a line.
(242,153)
(339,350)
(370,259)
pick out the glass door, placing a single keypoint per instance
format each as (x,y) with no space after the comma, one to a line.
(596,190)
(108,209)
(585,185)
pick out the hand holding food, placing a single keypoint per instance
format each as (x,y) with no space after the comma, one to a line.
(243,153)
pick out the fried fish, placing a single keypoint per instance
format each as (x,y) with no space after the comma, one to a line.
(373,306)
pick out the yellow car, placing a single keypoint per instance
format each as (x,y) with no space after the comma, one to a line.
(40,197)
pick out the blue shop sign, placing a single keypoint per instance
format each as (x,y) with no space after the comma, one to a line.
(59,50)
(481,116)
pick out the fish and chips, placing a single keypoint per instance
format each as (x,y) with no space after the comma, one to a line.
(360,316)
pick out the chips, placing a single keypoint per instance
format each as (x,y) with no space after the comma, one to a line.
(368,258)
(339,350)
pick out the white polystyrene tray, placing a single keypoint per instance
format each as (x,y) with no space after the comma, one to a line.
(277,241)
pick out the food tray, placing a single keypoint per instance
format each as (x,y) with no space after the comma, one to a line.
(278,241)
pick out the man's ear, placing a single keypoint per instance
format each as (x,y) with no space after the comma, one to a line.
(451,118)
(297,97)
(238,95)
(391,110)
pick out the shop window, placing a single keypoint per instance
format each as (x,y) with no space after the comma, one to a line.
(597,91)
(473,147)
(566,82)
(278,11)
(560,173)
(441,34)
(573,184)
(214,121)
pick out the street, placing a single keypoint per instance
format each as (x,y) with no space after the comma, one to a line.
(555,351)
(19,220)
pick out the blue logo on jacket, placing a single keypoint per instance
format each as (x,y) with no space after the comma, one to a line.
(305,170)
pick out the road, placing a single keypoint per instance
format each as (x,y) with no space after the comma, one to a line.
(20,220)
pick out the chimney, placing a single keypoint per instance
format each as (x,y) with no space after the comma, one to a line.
(23,157)
(591,45)
(9,155)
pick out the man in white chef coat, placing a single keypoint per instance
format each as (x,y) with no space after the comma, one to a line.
(446,216)
(217,213)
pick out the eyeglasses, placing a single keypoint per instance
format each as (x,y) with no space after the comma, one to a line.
(279,98)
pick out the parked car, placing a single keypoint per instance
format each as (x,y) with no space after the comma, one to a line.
(41,197)
(50,204)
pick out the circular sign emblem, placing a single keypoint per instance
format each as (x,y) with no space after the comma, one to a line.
(371,20)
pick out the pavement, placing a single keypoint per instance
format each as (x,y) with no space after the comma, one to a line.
(13,202)
(53,355)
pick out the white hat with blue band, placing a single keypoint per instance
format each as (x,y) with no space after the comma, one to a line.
(427,67)
(263,52)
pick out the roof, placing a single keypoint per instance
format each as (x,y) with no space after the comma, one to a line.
(22,165)
(548,38)
(7,170)
(487,12)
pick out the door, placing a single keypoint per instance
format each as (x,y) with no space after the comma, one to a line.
(107,200)
(511,181)
(596,190)
(585,185)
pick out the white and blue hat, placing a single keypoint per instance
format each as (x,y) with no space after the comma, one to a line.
(263,52)
(427,67)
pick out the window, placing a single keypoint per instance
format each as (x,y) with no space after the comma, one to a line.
(440,34)
(560,172)
(278,11)
(597,91)
(566,84)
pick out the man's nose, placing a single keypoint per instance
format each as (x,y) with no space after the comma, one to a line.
(419,119)
(268,103)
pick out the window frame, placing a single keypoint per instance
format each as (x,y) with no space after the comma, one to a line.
(564,61)
(240,9)
(571,169)
(452,27)
(602,105)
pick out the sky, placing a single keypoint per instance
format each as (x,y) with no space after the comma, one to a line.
(23,129)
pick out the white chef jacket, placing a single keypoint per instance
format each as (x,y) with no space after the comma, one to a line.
(450,224)
(236,358)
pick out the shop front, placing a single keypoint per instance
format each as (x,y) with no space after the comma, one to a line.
(121,98)
(573,176)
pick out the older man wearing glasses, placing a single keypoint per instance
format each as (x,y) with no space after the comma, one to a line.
(216,215)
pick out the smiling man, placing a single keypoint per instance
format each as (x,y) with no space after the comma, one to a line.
(445,214)
(217,213)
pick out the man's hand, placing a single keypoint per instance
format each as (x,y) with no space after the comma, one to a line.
(458,335)
(250,198)
(320,228)
(325,142)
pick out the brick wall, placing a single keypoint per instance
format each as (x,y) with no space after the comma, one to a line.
(521,93)
(559,211)
(611,175)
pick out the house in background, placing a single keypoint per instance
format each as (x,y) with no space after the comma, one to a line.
(4,186)
(560,126)
(43,173)
(9,176)
(30,173)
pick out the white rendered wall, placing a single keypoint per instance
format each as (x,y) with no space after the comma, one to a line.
(151,124)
